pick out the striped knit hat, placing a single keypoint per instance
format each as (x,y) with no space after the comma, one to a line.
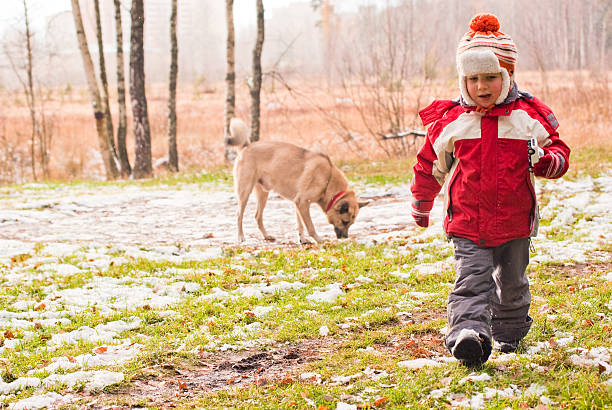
(485,49)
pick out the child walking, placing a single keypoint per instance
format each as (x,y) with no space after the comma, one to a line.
(482,147)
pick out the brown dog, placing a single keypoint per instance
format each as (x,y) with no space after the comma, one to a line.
(295,173)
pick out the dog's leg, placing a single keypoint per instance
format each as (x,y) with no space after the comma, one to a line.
(241,206)
(243,191)
(300,224)
(262,198)
(304,210)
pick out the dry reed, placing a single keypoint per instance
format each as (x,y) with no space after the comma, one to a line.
(312,117)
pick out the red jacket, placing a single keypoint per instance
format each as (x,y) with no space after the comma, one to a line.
(482,161)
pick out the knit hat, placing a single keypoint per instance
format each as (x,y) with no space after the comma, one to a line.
(485,49)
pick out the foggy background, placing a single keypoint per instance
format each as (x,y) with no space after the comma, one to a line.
(326,43)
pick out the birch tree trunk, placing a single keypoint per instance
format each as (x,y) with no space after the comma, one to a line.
(172,151)
(126,169)
(94,94)
(108,119)
(230,76)
(29,89)
(142,134)
(257,75)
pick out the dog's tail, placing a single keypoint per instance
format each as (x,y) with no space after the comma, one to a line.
(238,133)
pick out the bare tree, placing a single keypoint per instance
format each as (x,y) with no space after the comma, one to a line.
(142,133)
(257,75)
(126,169)
(22,64)
(108,158)
(29,88)
(326,17)
(230,76)
(172,151)
(108,119)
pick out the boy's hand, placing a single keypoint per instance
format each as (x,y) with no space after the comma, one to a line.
(420,212)
(549,166)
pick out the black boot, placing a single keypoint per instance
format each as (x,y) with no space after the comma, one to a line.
(471,349)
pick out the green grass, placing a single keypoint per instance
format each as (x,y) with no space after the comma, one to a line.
(590,160)
(567,300)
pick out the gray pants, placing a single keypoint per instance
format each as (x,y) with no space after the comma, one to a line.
(491,294)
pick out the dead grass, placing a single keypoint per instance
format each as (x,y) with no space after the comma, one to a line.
(310,116)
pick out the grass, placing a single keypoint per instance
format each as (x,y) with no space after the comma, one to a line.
(568,300)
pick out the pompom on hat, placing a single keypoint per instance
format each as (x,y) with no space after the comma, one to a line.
(484,49)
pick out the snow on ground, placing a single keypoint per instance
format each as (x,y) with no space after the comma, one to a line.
(160,217)
(194,223)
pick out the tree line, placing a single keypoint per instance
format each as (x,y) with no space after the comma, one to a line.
(112,141)
(382,59)
(116,160)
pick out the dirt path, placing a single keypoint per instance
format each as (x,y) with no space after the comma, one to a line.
(166,384)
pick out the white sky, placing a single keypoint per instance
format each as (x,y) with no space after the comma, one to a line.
(244,10)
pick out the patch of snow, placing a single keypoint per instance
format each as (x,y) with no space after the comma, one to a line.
(536,390)
(39,401)
(329,296)
(418,363)
(19,384)
(92,380)
(473,377)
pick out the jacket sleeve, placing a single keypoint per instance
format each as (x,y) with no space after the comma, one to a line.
(555,162)
(435,158)
(425,186)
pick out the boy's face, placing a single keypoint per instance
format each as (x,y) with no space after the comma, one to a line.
(484,89)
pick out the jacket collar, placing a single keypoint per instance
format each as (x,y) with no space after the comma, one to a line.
(499,109)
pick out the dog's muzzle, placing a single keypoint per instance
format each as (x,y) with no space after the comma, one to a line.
(340,233)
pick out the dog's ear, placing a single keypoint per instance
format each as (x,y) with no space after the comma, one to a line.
(362,203)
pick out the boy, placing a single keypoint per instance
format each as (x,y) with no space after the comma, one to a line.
(481,142)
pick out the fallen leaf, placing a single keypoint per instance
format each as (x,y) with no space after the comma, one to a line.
(40,307)
(322,407)
(587,323)
(287,379)
(181,385)
(8,335)
(380,401)
(71,359)
(100,350)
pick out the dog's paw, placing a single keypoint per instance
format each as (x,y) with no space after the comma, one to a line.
(304,241)
(270,238)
